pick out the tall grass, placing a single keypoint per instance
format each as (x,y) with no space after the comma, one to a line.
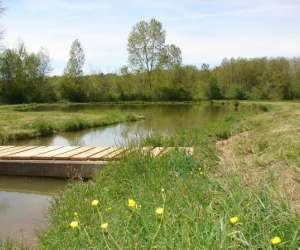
(197,206)
(197,210)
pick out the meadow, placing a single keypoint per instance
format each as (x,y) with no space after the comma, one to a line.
(37,120)
(240,190)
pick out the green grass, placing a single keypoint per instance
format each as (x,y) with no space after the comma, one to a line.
(201,192)
(197,210)
(28,121)
(198,202)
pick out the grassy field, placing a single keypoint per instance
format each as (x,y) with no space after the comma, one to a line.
(241,190)
(29,121)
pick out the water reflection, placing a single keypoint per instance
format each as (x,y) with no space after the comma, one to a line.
(24,204)
(163,119)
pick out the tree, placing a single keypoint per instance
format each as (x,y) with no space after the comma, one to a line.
(146,43)
(171,56)
(24,76)
(72,87)
(214,91)
(147,51)
(76,62)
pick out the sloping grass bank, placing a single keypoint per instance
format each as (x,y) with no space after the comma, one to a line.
(177,201)
(22,122)
(196,211)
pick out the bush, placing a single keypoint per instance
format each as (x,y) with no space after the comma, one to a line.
(44,128)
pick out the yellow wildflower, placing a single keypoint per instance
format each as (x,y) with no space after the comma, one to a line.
(159,211)
(104,226)
(74,224)
(276,241)
(95,203)
(132,203)
(234,220)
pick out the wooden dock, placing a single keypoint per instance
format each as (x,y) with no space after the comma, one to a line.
(65,161)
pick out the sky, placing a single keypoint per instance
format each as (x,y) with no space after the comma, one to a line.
(206,30)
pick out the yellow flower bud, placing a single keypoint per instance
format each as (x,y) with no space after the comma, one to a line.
(74,224)
(234,220)
(104,226)
(95,203)
(276,241)
(159,211)
(132,203)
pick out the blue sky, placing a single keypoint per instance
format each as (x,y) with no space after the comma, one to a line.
(205,30)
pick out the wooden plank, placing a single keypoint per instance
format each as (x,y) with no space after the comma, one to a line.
(69,155)
(5,147)
(85,155)
(11,149)
(157,151)
(114,154)
(102,154)
(31,153)
(11,156)
(15,150)
(50,155)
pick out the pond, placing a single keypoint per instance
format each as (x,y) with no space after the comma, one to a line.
(24,202)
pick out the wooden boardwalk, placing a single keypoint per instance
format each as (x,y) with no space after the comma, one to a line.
(65,161)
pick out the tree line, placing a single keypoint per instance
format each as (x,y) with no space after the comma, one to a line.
(154,73)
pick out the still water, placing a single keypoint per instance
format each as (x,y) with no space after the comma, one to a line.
(24,202)
(163,119)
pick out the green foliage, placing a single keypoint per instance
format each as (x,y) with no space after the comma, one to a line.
(147,50)
(259,78)
(214,91)
(43,127)
(156,74)
(170,57)
(76,61)
(197,206)
(72,85)
(73,89)
(23,76)
(145,45)
(264,108)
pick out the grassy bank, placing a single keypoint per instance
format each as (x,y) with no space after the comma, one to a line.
(245,168)
(30,121)
(199,194)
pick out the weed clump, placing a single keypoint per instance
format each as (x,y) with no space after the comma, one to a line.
(263,108)
(44,128)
